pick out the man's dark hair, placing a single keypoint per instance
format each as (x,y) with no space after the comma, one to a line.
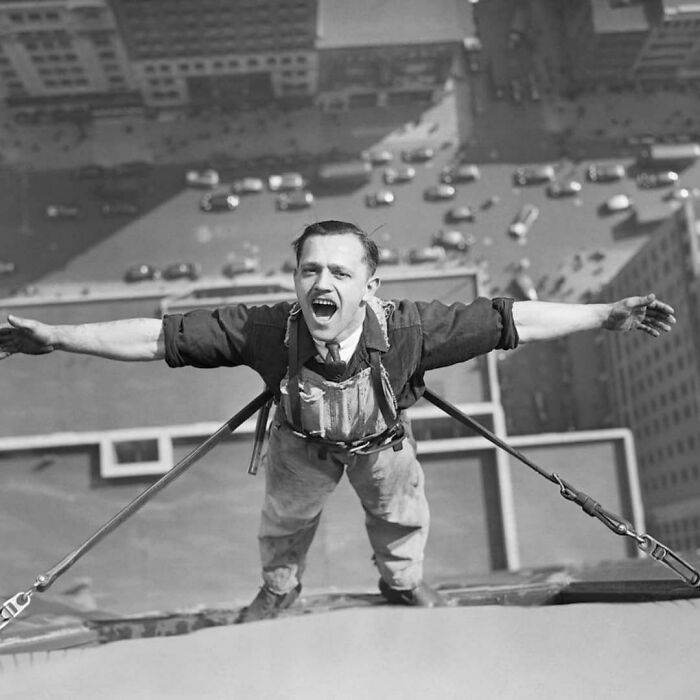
(333,228)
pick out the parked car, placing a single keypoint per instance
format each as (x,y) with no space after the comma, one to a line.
(489,202)
(451,239)
(618,202)
(458,214)
(7,267)
(657,179)
(219,201)
(119,208)
(208,178)
(182,270)
(605,172)
(247,185)
(132,168)
(563,188)
(441,192)
(141,273)
(240,266)
(427,254)
(421,154)
(400,175)
(380,198)
(463,172)
(522,223)
(522,287)
(533,175)
(681,193)
(298,199)
(388,256)
(286,182)
(63,211)
(379,156)
(91,172)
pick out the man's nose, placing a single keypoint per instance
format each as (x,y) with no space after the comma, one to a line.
(323,279)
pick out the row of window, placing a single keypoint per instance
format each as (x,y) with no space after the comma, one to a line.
(671,479)
(252,62)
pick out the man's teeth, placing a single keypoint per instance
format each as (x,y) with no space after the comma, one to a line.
(324,307)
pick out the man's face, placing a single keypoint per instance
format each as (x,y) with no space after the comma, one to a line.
(332,283)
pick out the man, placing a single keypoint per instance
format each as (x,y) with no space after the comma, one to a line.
(344,365)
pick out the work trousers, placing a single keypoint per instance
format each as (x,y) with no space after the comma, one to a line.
(390,486)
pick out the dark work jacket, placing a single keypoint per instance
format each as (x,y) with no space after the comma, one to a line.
(421,336)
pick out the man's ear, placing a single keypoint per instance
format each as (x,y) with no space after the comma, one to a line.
(372,287)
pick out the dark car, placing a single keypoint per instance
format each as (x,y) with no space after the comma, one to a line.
(658,179)
(564,188)
(380,198)
(90,172)
(219,201)
(63,211)
(240,266)
(464,172)
(422,154)
(400,175)
(605,172)
(379,156)
(182,270)
(490,202)
(453,240)
(132,168)
(119,208)
(436,193)
(459,214)
(299,199)
(7,267)
(533,175)
(142,273)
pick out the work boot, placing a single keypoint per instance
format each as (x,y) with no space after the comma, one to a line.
(267,604)
(421,596)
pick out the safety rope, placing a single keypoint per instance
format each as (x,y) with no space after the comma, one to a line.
(646,543)
(12,607)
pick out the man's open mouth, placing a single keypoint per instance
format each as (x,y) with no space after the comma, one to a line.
(323,308)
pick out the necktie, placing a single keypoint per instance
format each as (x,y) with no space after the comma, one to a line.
(336,367)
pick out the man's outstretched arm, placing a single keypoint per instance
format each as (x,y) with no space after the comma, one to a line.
(542,320)
(134,339)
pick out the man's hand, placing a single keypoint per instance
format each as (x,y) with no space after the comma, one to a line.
(25,336)
(641,313)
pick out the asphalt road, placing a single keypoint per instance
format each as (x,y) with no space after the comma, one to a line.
(173,229)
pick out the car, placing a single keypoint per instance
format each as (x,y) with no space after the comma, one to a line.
(563,188)
(400,175)
(240,266)
(119,208)
(219,201)
(208,178)
(182,270)
(379,156)
(380,198)
(388,256)
(247,185)
(681,193)
(489,202)
(142,273)
(522,287)
(441,192)
(663,178)
(427,254)
(459,214)
(533,175)
(286,182)
(521,224)
(463,172)
(421,154)
(63,211)
(7,267)
(450,239)
(618,202)
(298,199)
(605,172)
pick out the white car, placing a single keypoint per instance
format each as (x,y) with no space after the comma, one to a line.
(202,178)
(247,185)
(523,221)
(286,182)
(618,202)
(380,198)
